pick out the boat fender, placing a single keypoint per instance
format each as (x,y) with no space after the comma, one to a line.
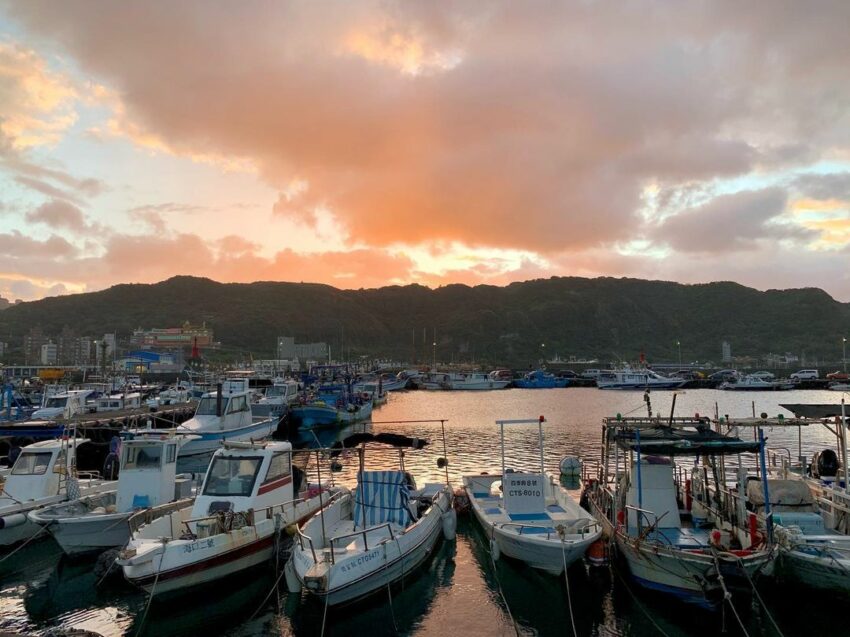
(597,553)
(110,466)
(293,584)
(105,565)
(449,519)
(11,521)
(494,549)
(291,529)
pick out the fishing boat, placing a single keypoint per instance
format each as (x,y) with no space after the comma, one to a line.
(477,381)
(65,405)
(753,382)
(250,493)
(44,473)
(331,405)
(387,382)
(529,516)
(641,378)
(540,379)
(276,399)
(147,478)
(372,538)
(804,507)
(641,498)
(224,415)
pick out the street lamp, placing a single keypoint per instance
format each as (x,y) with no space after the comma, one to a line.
(679,345)
(434,345)
(844,352)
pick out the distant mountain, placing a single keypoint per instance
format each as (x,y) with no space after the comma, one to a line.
(612,319)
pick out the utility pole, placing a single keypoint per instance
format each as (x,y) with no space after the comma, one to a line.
(679,345)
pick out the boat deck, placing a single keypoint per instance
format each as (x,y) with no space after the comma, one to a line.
(356,543)
(527,523)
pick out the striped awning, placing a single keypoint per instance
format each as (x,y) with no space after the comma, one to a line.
(381,496)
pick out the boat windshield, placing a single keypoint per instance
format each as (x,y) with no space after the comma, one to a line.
(206,406)
(142,456)
(56,402)
(32,463)
(233,476)
(273,391)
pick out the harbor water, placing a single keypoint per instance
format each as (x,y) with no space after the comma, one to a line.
(462,590)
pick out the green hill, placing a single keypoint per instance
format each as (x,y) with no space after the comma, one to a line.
(605,318)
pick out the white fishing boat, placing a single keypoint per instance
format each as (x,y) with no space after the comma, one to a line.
(641,378)
(529,516)
(65,404)
(387,382)
(670,549)
(224,415)
(250,493)
(147,479)
(804,507)
(276,398)
(477,381)
(753,382)
(372,538)
(118,401)
(44,473)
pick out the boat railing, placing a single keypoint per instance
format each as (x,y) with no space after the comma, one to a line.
(302,537)
(550,531)
(640,515)
(146,516)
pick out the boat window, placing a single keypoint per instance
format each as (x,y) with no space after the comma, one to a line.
(56,403)
(272,392)
(142,456)
(237,403)
(31,463)
(232,476)
(279,467)
(206,406)
(172,453)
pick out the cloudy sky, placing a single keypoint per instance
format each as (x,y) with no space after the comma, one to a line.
(367,143)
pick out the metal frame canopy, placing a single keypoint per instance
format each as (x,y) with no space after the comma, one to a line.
(522,421)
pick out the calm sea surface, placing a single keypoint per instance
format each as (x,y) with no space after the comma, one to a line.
(460,592)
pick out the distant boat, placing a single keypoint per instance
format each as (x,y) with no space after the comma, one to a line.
(459,381)
(538,379)
(753,382)
(282,393)
(331,406)
(643,378)
(224,415)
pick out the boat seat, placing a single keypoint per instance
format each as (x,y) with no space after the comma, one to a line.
(523,517)
(556,508)
(493,511)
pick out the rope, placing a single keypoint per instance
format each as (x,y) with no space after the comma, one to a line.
(499,585)
(727,596)
(758,597)
(28,540)
(390,595)
(325,613)
(569,597)
(153,588)
(637,602)
(269,594)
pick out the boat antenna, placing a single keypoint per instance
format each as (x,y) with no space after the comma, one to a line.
(445,451)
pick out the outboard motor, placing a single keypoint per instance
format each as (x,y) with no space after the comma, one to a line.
(825,464)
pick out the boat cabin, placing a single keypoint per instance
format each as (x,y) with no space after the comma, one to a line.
(228,409)
(148,474)
(41,469)
(281,392)
(63,405)
(245,475)
(117,402)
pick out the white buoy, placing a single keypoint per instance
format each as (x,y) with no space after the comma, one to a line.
(293,584)
(449,519)
(494,550)
(570,466)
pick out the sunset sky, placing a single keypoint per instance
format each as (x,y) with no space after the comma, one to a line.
(369,143)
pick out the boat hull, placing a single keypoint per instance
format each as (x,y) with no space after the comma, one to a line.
(209,441)
(822,572)
(312,416)
(91,534)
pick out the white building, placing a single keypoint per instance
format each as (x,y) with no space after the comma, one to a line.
(49,354)
(726,352)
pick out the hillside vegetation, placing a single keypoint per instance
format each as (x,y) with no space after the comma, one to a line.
(612,319)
